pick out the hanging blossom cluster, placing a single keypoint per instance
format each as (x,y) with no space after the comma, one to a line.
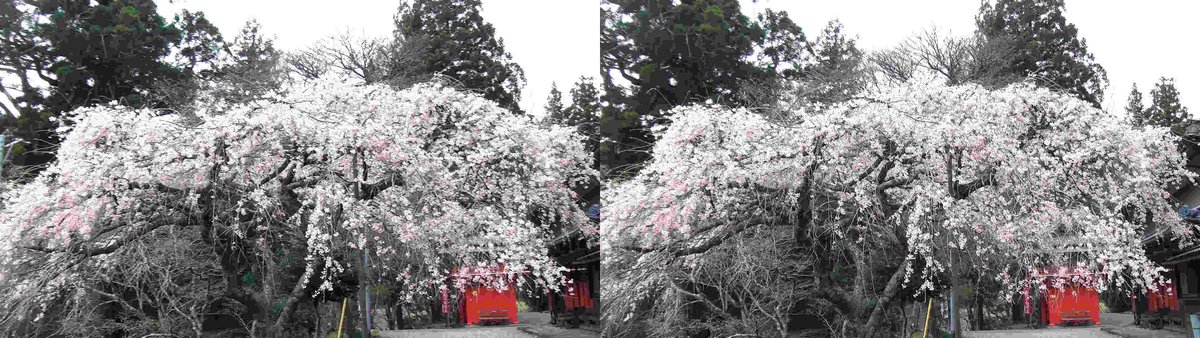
(1021,177)
(427,179)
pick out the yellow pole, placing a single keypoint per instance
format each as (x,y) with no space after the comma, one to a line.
(340,321)
(927,310)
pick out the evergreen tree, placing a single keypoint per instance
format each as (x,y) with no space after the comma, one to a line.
(249,68)
(585,103)
(459,44)
(833,48)
(783,47)
(88,53)
(836,73)
(253,55)
(1047,46)
(675,52)
(555,112)
(1165,110)
(1135,108)
(583,115)
(584,111)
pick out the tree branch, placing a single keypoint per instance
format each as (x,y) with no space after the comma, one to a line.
(82,248)
(962,191)
(373,189)
(890,291)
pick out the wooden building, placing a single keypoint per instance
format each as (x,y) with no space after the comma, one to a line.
(1181,296)
(578,302)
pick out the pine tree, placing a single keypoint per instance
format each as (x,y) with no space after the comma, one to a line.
(676,52)
(1165,110)
(88,53)
(254,65)
(783,46)
(584,112)
(250,51)
(585,104)
(555,113)
(461,45)
(835,76)
(1135,108)
(1047,48)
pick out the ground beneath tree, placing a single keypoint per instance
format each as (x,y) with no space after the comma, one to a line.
(1057,332)
(1121,324)
(510,331)
(1112,325)
(532,325)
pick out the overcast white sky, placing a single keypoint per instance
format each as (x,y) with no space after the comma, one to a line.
(557,40)
(1135,41)
(553,40)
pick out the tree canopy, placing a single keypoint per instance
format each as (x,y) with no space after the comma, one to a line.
(1007,180)
(285,192)
(71,54)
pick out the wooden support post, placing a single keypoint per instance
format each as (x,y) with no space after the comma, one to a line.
(928,312)
(343,320)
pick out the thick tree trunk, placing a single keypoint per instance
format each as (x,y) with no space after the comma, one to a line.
(348,325)
(399,315)
(389,317)
(364,294)
(935,316)
(978,311)
(435,310)
(862,272)
(318,330)
(875,321)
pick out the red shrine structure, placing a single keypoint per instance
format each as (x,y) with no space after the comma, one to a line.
(481,305)
(1161,302)
(575,303)
(1064,302)
(1164,298)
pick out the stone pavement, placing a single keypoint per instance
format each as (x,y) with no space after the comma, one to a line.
(534,318)
(1056,332)
(1121,324)
(508,331)
(1112,325)
(531,325)
(548,331)
(538,324)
